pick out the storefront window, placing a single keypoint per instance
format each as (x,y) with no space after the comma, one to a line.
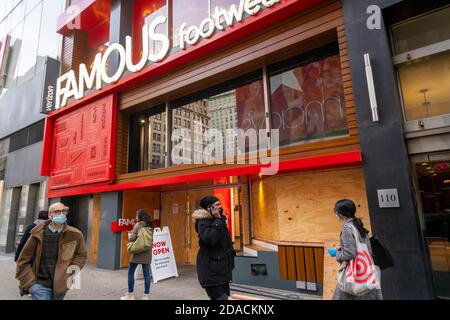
(424,31)
(156,145)
(423,64)
(147,148)
(308,100)
(240,107)
(425,86)
(219,123)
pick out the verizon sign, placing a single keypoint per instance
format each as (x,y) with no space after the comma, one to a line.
(49,92)
(69,87)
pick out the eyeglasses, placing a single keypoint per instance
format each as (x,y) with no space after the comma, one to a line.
(63,211)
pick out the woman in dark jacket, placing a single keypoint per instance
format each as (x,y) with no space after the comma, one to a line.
(345,210)
(144,258)
(215,259)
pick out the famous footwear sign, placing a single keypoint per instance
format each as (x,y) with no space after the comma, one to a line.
(69,87)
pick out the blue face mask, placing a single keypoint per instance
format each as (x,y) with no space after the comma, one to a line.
(59,219)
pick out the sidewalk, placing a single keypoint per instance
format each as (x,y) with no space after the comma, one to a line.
(99,284)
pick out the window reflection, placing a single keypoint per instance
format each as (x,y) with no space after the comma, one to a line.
(156,157)
(31,25)
(426,86)
(308,101)
(14,54)
(238,108)
(421,32)
(434,181)
(29,49)
(4,147)
(191,120)
(49,40)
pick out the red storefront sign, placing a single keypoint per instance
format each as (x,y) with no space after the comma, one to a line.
(237,32)
(122,225)
(82,145)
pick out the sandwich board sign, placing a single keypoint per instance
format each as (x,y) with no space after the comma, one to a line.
(163,262)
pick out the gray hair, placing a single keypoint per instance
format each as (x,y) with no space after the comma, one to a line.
(57,204)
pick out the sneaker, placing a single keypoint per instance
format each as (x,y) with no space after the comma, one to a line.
(145,297)
(128,296)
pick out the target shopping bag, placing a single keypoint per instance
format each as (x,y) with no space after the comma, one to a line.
(360,275)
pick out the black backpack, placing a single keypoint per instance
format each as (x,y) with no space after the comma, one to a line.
(381,256)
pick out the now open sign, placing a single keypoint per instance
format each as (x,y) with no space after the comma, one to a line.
(163,262)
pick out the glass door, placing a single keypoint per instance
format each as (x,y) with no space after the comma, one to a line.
(433,180)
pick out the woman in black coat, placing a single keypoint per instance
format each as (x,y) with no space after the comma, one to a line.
(215,259)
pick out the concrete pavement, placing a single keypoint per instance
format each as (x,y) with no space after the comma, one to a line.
(99,284)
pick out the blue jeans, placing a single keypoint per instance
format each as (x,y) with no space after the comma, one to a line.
(146,271)
(39,292)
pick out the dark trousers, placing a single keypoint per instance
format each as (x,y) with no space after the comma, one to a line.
(221,292)
(146,271)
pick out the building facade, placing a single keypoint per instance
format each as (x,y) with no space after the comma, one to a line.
(288,71)
(411,74)
(29,57)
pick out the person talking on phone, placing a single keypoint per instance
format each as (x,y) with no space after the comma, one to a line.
(215,258)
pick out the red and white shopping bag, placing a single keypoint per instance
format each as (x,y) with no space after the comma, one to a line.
(360,275)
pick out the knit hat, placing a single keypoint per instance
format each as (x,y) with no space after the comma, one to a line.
(43,215)
(208,201)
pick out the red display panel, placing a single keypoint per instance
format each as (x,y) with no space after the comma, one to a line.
(224,195)
(83,145)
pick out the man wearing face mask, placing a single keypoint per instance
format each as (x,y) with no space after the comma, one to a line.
(215,259)
(53,247)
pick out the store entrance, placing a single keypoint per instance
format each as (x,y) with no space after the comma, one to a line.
(177,209)
(173,206)
(433,180)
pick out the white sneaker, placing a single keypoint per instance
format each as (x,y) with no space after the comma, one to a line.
(128,296)
(145,297)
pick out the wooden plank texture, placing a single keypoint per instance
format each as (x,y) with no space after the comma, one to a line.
(282,259)
(291,267)
(310,268)
(300,263)
(95,229)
